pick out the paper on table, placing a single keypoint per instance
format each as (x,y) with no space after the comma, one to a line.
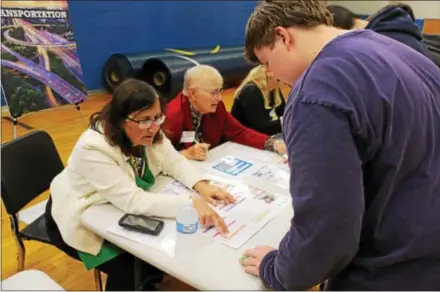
(253,209)
(283,160)
(30,214)
(176,188)
(231,166)
(161,241)
(249,153)
(278,174)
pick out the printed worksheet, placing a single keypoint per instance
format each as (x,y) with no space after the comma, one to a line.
(283,160)
(253,209)
(278,174)
(230,165)
(176,188)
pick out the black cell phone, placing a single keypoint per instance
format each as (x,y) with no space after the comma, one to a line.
(142,224)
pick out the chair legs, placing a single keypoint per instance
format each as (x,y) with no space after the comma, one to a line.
(21,251)
(21,254)
(98,280)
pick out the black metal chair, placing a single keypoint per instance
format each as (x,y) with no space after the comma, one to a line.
(28,166)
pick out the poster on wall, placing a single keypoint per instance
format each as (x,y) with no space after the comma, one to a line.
(39,60)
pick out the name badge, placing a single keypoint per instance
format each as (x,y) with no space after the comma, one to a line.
(188,137)
(273,115)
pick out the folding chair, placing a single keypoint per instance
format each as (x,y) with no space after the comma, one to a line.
(28,166)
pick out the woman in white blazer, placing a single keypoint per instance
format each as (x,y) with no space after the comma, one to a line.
(116,161)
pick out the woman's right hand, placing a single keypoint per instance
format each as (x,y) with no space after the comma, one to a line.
(208,216)
(198,151)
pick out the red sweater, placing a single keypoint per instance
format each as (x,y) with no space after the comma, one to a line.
(217,127)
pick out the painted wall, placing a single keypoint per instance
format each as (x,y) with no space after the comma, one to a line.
(102,29)
(422,9)
(361,7)
(426,12)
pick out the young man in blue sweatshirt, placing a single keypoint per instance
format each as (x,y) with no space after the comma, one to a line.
(362,130)
(396,21)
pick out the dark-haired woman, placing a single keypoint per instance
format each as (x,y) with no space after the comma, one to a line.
(116,161)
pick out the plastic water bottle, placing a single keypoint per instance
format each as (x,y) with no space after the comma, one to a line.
(187,221)
(187,225)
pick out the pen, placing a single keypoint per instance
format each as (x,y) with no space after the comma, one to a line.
(243,257)
(197,142)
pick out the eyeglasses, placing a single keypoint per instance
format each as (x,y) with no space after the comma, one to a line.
(147,123)
(214,92)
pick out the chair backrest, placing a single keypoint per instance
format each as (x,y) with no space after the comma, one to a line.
(28,166)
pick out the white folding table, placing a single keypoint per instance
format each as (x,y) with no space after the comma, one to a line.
(216,266)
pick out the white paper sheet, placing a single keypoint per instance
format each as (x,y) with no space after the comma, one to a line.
(283,160)
(30,214)
(249,153)
(237,168)
(277,174)
(232,166)
(176,188)
(253,209)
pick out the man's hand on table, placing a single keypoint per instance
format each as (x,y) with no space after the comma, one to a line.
(252,259)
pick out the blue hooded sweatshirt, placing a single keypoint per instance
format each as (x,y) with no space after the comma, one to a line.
(398,23)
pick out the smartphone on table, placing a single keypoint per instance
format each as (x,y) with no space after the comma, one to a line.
(141,223)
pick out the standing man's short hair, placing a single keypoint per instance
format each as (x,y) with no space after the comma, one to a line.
(260,29)
(342,17)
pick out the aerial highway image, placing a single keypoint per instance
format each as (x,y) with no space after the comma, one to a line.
(39,61)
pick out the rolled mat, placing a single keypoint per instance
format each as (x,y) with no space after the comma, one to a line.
(166,73)
(164,70)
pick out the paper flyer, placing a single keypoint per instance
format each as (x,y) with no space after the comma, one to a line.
(231,165)
(253,209)
(274,173)
(277,174)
